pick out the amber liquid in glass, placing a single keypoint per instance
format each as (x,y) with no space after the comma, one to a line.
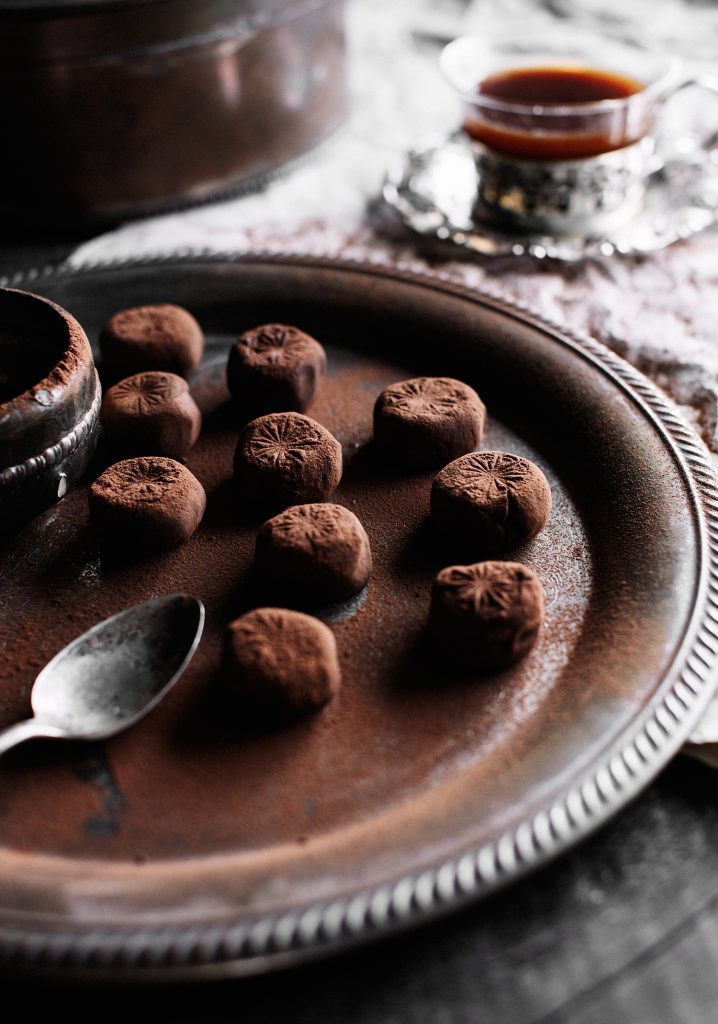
(565,134)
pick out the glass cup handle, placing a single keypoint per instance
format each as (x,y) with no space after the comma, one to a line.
(685,144)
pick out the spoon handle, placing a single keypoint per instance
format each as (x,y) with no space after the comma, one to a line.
(29,728)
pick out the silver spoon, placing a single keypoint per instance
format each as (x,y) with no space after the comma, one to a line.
(109,677)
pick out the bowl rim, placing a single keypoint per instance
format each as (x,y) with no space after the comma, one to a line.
(76,344)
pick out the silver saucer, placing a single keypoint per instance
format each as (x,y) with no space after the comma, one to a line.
(433,190)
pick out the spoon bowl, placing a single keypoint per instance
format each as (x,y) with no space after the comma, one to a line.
(111,676)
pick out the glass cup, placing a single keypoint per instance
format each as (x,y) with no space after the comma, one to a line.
(562,124)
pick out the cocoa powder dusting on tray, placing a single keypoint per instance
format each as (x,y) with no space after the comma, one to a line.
(193,777)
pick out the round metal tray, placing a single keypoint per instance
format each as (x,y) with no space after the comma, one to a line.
(190,847)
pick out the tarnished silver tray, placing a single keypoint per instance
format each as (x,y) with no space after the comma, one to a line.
(187,847)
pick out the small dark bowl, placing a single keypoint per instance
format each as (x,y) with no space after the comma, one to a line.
(50,400)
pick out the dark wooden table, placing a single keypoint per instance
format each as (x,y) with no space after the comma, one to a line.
(623,928)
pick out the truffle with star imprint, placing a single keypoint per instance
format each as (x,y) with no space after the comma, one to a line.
(286,458)
(489,501)
(275,368)
(313,555)
(427,421)
(151,413)
(486,616)
(147,503)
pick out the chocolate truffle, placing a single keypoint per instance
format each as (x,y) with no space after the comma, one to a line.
(286,458)
(282,662)
(147,503)
(157,337)
(275,368)
(313,555)
(487,615)
(491,500)
(151,413)
(428,421)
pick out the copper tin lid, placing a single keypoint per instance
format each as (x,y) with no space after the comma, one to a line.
(142,106)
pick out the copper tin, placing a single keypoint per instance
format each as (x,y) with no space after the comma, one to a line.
(49,404)
(119,108)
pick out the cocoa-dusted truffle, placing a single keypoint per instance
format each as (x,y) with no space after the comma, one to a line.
(282,662)
(428,421)
(286,458)
(156,337)
(491,500)
(147,503)
(151,413)
(313,555)
(275,368)
(487,615)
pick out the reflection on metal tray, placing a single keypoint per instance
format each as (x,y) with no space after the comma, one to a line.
(433,190)
(191,846)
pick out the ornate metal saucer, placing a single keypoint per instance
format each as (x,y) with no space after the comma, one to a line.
(433,190)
